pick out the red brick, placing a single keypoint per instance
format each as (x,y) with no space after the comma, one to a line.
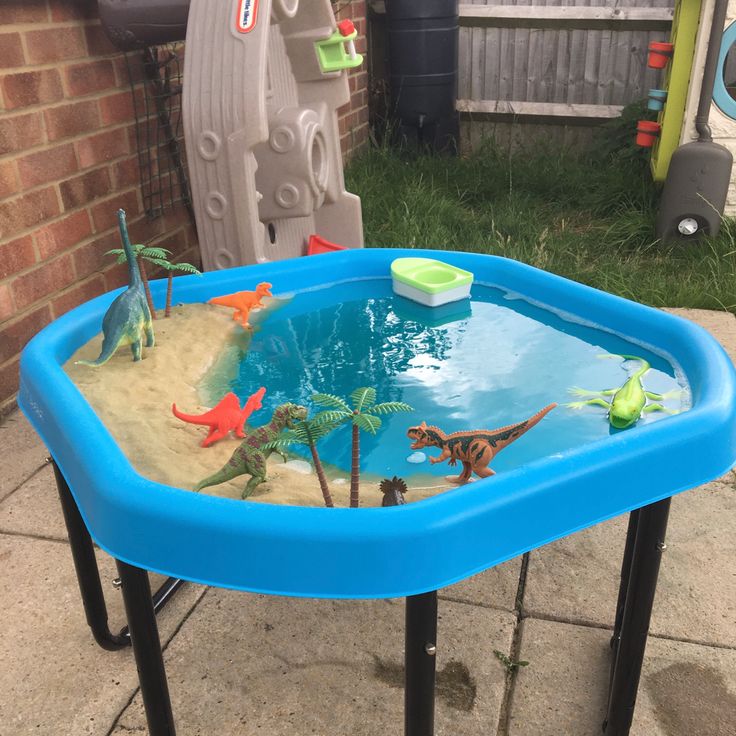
(31,88)
(49,165)
(20,132)
(127,68)
(69,120)
(9,381)
(16,256)
(90,258)
(126,173)
(143,230)
(78,295)
(13,337)
(11,50)
(73,9)
(117,108)
(24,212)
(102,147)
(116,277)
(91,76)
(23,11)
(98,43)
(104,214)
(42,281)
(7,309)
(85,188)
(55,44)
(54,239)
(8,180)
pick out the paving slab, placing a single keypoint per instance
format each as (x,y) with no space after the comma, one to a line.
(281,666)
(494,588)
(722,325)
(576,579)
(54,678)
(686,689)
(22,450)
(34,508)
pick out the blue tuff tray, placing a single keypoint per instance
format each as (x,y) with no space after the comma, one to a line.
(377,552)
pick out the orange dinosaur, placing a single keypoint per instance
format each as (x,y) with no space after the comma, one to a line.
(244,301)
(226,416)
(474,449)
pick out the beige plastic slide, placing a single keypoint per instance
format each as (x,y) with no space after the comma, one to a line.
(264,79)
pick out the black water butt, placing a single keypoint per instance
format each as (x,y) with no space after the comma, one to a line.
(699,174)
(133,24)
(422,58)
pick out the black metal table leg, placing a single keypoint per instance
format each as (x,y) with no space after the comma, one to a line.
(421,648)
(623,585)
(630,642)
(147,649)
(88,574)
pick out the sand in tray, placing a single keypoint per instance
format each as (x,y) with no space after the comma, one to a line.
(133,401)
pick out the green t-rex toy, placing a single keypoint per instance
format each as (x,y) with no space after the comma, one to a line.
(128,317)
(250,457)
(629,402)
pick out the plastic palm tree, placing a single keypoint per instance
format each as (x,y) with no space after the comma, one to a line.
(308,432)
(156,257)
(363,415)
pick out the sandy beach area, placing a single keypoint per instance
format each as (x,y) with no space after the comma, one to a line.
(133,400)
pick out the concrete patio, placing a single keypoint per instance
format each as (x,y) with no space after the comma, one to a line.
(249,664)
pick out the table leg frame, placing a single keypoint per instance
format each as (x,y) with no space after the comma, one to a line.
(88,574)
(420,664)
(645,542)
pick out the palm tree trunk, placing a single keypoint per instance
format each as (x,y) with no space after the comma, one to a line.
(355,470)
(321,475)
(169,290)
(146,287)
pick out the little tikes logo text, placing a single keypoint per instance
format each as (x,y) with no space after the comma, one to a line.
(247,12)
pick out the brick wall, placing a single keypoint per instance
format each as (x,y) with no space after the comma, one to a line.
(68,162)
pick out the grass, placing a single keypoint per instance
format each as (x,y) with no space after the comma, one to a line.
(588,216)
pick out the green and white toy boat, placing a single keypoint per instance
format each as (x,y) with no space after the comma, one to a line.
(430,282)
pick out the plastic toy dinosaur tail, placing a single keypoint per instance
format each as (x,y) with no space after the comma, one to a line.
(227,472)
(514,431)
(191,418)
(644,364)
(109,346)
(223,301)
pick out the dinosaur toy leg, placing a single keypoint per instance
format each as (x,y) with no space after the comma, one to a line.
(137,348)
(577,391)
(657,407)
(589,402)
(216,433)
(150,341)
(257,469)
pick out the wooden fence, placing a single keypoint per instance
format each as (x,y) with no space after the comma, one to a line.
(553,62)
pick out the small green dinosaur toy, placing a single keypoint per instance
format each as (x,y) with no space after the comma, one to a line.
(128,316)
(629,402)
(250,457)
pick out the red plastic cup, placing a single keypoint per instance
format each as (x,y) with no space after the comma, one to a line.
(647,133)
(659,54)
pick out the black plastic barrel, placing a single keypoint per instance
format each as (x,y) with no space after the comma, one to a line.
(133,24)
(422,56)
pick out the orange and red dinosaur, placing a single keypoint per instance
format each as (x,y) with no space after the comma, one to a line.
(225,417)
(244,301)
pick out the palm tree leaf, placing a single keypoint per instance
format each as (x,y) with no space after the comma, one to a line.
(314,432)
(284,440)
(363,397)
(367,422)
(119,254)
(389,407)
(185,268)
(150,251)
(335,402)
(330,417)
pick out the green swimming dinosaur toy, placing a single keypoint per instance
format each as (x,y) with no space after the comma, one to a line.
(629,402)
(128,317)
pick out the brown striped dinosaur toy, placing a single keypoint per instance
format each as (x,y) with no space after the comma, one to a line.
(474,448)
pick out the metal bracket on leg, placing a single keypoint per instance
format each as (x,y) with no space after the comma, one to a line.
(420,658)
(147,649)
(644,547)
(88,574)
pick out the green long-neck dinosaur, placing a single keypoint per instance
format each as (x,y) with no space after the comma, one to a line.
(629,402)
(250,457)
(128,317)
